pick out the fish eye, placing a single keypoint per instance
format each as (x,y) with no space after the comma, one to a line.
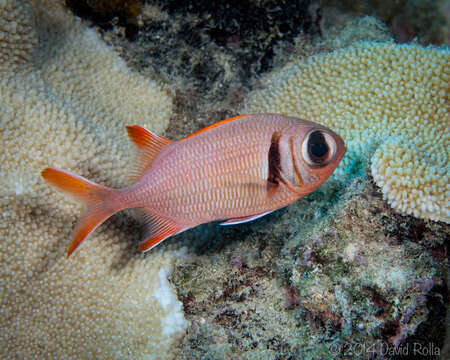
(319,148)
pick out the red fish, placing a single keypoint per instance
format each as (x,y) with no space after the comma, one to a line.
(237,170)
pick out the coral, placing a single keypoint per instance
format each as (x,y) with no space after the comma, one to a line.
(65,98)
(384,96)
(411,182)
(18,36)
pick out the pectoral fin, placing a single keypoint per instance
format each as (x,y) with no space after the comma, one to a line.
(242,220)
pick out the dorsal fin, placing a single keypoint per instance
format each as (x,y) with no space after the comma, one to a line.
(209,127)
(148,145)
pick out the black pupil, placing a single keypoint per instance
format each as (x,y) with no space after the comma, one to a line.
(317,146)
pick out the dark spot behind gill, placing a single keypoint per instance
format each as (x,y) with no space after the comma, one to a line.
(274,177)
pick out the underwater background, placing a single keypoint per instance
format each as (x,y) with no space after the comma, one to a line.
(357,269)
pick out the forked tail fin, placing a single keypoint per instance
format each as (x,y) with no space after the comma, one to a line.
(97,198)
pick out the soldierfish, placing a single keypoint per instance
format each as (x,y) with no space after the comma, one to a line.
(236,170)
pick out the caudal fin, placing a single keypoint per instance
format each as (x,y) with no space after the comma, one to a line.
(97,199)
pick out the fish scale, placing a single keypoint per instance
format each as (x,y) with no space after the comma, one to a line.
(238,169)
(212,172)
(213,168)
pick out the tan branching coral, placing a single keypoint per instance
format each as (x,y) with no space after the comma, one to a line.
(65,98)
(384,96)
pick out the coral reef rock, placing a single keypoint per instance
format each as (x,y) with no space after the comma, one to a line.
(336,275)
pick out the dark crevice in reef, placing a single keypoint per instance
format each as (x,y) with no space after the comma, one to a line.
(251,27)
(107,13)
(429,338)
(215,49)
(210,52)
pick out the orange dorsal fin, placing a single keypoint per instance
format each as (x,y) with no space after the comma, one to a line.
(97,199)
(148,145)
(214,125)
(157,229)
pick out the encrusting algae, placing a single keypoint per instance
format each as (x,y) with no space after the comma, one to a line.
(65,98)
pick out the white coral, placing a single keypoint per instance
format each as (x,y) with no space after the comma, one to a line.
(65,98)
(370,92)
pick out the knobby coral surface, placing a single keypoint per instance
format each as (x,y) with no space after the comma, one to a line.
(383,96)
(65,98)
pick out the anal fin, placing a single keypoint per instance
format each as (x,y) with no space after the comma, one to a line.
(157,229)
(150,242)
(245,219)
